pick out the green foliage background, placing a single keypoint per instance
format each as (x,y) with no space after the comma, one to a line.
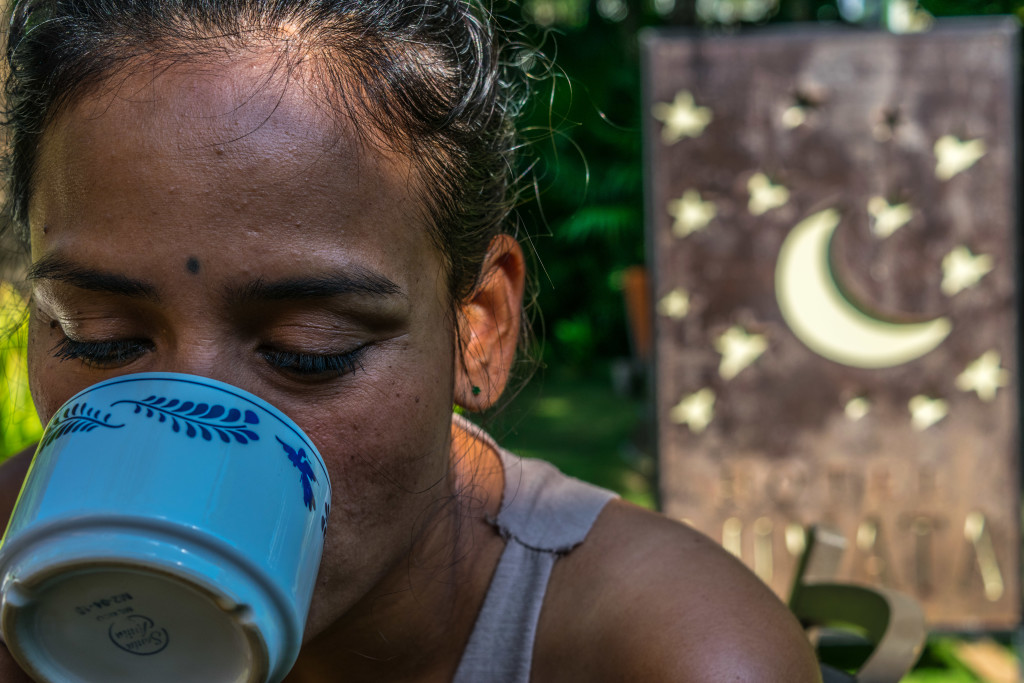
(586,219)
(19,425)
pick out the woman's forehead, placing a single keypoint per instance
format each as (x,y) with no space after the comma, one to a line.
(247,109)
(193,149)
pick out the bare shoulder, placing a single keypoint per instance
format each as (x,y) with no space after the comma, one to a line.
(647,598)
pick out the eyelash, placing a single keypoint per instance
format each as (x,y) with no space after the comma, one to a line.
(108,354)
(101,354)
(312,364)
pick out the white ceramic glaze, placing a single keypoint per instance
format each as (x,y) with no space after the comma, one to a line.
(170,529)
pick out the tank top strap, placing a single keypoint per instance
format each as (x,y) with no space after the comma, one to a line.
(544,509)
(544,514)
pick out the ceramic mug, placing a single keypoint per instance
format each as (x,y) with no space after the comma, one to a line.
(170,529)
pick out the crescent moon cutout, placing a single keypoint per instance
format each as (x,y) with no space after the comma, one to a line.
(825,321)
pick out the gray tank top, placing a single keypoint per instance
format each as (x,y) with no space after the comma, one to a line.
(544,514)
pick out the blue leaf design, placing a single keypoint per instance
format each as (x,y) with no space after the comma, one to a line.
(299,459)
(307,492)
(324,517)
(195,418)
(76,418)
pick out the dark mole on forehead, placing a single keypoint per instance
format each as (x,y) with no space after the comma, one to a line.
(192,265)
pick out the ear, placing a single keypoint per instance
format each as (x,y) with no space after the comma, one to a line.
(489,326)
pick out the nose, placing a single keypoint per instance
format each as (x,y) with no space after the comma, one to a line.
(210,357)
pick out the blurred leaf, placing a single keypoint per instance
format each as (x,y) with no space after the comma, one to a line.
(575,332)
(603,222)
(19,424)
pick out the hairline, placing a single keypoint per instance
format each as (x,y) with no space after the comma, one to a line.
(349,116)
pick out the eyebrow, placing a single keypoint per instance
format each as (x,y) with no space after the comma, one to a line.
(57,268)
(353,281)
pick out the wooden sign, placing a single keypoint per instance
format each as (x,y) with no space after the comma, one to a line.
(832,235)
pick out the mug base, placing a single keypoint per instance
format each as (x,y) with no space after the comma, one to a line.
(102,604)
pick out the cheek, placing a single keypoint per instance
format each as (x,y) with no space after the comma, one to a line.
(49,387)
(386,444)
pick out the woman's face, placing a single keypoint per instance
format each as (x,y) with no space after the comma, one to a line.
(215,222)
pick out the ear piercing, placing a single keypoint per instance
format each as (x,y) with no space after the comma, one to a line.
(476,390)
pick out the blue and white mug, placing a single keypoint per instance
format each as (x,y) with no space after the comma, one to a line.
(170,529)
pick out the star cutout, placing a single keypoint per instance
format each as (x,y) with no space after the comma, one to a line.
(925,412)
(738,350)
(682,118)
(691,213)
(983,376)
(962,269)
(675,304)
(794,117)
(888,217)
(953,156)
(764,196)
(806,99)
(857,408)
(907,16)
(886,122)
(696,410)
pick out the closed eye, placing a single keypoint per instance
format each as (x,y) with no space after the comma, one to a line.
(102,354)
(313,365)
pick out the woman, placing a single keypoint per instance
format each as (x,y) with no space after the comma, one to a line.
(306,199)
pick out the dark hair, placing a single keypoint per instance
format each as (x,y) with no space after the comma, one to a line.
(426,76)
